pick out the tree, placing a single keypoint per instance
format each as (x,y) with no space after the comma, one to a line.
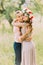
(7,10)
(38,7)
(6,7)
(3,11)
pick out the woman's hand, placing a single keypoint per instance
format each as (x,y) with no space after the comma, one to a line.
(29,38)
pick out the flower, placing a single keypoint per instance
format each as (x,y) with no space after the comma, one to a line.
(28,12)
(31,16)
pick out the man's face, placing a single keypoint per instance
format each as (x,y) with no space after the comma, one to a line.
(19,16)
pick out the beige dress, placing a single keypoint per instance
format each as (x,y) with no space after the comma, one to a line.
(28,52)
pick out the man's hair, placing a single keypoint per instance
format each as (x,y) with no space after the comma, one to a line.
(19,12)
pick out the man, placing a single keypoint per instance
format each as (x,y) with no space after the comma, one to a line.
(17,33)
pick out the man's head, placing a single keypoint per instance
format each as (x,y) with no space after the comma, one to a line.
(19,16)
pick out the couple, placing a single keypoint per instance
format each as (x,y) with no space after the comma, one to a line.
(23,45)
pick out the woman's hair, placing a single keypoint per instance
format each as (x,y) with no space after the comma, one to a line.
(29,22)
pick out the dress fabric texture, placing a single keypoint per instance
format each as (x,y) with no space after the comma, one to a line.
(28,52)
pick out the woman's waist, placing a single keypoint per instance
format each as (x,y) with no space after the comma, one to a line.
(28,39)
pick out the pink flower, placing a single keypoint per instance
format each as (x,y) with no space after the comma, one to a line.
(30,12)
(31,17)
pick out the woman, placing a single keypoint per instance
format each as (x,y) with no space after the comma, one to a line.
(28,48)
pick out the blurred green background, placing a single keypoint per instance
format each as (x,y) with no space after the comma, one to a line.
(7,14)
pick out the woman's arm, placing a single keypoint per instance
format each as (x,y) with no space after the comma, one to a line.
(19,24)
(24,36)
(29,38)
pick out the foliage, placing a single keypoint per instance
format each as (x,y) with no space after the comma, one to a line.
(8,7)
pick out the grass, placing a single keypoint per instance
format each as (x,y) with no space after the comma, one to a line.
(6,46)
(38,39)
(6,49)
